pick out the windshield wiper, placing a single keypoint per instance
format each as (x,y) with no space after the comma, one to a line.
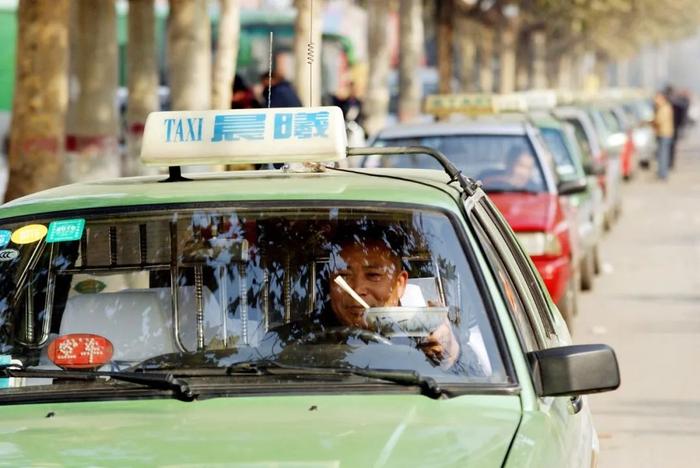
(181,390)
(428,385)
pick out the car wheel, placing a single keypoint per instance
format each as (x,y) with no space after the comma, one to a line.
(587,271)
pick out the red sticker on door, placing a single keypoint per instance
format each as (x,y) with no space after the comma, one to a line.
(80,351)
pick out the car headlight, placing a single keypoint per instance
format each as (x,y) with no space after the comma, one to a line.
(540,243)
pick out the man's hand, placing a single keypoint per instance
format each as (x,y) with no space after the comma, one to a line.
(441,345)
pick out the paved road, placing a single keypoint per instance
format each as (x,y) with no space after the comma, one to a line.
(646,304)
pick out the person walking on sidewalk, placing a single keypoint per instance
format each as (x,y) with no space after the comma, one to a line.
(663,127)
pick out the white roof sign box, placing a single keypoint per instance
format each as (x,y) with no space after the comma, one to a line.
(540,100)
(290,134)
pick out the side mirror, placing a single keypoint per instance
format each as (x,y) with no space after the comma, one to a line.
(594,169)
(574,370)
(570,187)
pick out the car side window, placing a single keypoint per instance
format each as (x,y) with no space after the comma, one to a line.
(525,273)
(522,322)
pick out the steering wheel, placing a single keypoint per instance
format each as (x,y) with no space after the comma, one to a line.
(342,333)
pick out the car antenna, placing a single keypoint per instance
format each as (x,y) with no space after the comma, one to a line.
(269,72)
(310,52)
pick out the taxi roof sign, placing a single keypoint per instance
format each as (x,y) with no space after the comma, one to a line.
(290,134)
(470,104)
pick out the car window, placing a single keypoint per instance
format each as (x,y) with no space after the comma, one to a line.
(563,159)
(522,271)
(495,230)
(502,162)
(163,285)
(522,322)
(582,140)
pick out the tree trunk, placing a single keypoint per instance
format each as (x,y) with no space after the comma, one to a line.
(485,56)
(92,141)
(565,77)
(189,55)
(539,60)
(142,80)
(523,61)
(509,35)
(226,54)
(308,27)
(466,44)
(377,99)
(445,45)
(410,56)
(40,98)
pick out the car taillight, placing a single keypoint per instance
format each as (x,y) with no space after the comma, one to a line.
(537,244)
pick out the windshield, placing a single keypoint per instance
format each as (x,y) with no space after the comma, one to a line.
(501,162)
(563,158)
(209,287)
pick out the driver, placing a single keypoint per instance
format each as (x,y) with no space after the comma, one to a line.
(375,273)
(521,166)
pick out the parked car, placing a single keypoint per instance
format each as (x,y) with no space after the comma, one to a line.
(488,149)
(604,167)
(307,316)
(587,206)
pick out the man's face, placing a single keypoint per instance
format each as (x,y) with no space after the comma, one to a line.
(522,170)
(373,273)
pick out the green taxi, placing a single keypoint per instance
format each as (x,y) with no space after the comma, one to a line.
(311,315)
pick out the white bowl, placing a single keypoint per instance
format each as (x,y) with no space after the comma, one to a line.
(406,321)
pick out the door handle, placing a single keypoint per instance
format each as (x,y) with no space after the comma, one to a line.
(575,404)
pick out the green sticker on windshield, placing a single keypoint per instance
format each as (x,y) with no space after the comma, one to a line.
(65,230)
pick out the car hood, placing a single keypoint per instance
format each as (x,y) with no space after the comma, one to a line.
(349,430)
(526,211)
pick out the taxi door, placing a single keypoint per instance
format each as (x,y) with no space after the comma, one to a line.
(564,421)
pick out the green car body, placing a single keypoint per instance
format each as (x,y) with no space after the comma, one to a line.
(391,427)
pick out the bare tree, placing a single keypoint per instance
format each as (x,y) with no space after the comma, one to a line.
(142,79)
(377,99)
(466,44)
(307,30)
(226,54)
(445,44)
(485,59)
(508,36)
(410,56)
(40,99)
(539,59)
(94,124)
(189,54)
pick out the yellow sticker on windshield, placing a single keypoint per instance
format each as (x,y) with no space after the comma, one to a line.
(29,234)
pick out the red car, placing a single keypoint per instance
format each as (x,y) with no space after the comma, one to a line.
(509,156)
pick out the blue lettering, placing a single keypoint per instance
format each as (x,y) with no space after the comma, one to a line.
(168,129)
(194,135)
(283,126)
(235,127)
(310,124)
(179,133)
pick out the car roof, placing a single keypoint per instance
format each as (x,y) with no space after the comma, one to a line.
(415,186)
(510,124)
(545,119)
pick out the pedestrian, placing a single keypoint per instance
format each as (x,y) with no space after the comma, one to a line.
(279,91)
(350,104)
(663,127)
(679,104)
(242,96)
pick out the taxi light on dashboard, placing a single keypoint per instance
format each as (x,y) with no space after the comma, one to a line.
(292,134)
(538,244)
